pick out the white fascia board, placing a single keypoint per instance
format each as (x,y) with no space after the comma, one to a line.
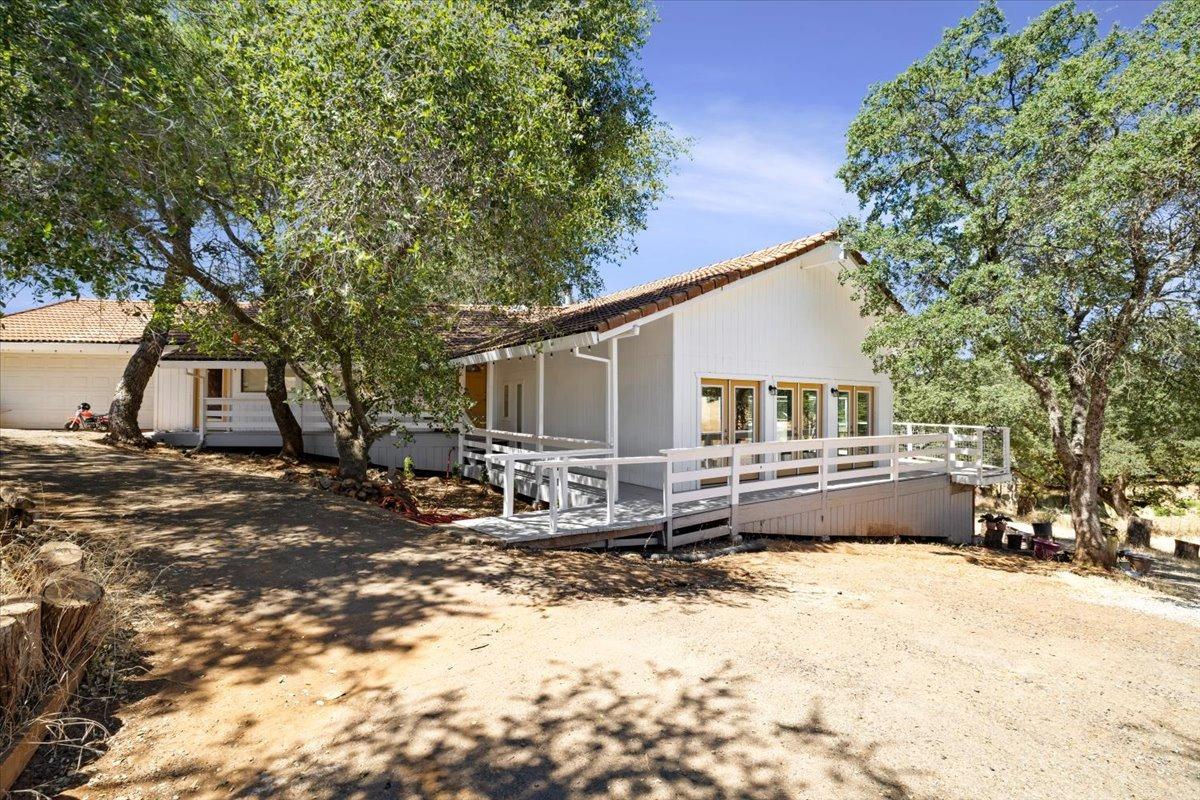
(586,339)
(69,348)
(211,364)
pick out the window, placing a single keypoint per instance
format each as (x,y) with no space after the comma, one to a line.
(506,401)
(254,380)
(520,427)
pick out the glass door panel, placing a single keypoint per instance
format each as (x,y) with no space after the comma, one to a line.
(714,425)
(745,419)
(712,414)
(856,417)
(785,414)
(745,413)
(810,408)
(863,412)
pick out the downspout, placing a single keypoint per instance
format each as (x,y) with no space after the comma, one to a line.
(611,386)
(608,409)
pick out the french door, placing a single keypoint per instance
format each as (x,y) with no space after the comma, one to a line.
(728,415)
(797,416)
(855,417)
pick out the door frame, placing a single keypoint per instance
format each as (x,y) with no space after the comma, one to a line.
(729,387)
(853,391)
(798,389)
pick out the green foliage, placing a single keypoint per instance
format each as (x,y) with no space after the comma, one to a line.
(92,96)
(389,160)
(1033,203)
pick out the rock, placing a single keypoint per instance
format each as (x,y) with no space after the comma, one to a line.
(325,482)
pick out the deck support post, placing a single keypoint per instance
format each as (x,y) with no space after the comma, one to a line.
(950,451)
(610,494)
(668,502)
(979,455)
(553,500)
(509,486)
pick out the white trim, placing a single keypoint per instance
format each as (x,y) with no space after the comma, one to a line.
(70,348)
(211,364)
(586,339)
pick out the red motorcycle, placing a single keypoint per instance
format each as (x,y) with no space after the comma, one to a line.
(85,420)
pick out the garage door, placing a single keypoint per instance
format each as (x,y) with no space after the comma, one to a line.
(41,390)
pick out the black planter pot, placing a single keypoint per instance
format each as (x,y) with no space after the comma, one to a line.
(1043,530)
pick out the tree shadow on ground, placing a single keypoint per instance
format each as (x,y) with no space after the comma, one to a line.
(264,575)
(1015,561)
(582,735)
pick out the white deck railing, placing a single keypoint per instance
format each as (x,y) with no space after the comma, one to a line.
(693,474)
(248,414)
(502,456)
(251,414)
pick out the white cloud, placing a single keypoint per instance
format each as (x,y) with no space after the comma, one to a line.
(762,165)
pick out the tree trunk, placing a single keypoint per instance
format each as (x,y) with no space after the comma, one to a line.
(290,432)
(127,400)
(1115,494)
(1091,546)
(353,449)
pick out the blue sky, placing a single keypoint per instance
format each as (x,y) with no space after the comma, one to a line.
(765,91)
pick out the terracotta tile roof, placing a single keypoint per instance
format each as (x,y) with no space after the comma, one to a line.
(90,321)
(474,329)
(613,310)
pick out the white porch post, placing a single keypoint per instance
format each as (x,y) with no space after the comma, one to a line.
(489,414)
(613,432)
(541,397)
(614,387)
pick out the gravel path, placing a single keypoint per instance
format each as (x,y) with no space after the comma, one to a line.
(321,648)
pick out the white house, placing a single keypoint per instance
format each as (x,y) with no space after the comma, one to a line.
(669,411)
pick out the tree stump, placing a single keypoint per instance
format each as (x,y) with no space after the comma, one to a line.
(1137,532)
(70,604)
(16,508)
(55,557)
(27,611)
(1186,549)
(12,682)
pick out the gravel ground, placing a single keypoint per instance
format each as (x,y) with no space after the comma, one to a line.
(321,648)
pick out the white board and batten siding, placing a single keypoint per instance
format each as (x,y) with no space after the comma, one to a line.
(795,322)
(645,399)
(41,390)
(920,507)
(574,395)
(431,451)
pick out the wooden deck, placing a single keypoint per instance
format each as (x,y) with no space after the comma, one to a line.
(638,518)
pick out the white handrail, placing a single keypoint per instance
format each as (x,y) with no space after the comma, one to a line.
(889,457)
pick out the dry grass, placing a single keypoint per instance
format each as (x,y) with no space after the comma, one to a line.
(127,606)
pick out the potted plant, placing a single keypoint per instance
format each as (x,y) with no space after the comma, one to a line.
(994,525)
(1043,525)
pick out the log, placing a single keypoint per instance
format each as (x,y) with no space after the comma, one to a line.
(21,656)
(70,603)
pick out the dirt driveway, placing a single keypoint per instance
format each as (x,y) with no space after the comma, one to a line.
(319,648)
